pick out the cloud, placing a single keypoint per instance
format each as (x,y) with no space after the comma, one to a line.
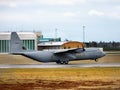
(6,3)
(61,2)
(7,16)
(95,13)
(104,1)
(16,3)
(36,16)
(69,14)
(12,4)
(118,7)
(112,14)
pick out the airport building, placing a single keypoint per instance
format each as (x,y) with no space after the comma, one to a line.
(41,39)
(60,45)
(29,41)
(36,41)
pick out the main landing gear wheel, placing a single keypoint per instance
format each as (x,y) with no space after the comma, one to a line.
(65,62)
(62,62)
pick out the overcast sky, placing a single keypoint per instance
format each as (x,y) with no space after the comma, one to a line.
(101,18)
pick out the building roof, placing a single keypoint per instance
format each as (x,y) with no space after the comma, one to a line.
(57,43)
(22,35)
(51,44)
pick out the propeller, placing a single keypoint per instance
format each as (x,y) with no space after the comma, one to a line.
(83,47)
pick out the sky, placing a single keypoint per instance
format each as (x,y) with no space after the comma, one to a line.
(101,18)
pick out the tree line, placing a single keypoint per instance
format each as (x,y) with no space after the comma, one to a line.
(114,46)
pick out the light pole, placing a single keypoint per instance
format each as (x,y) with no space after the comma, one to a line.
(55,34)
(83,34)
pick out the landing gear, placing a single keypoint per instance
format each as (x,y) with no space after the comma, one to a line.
(58,62)
(96,60)
(61,62)
(66,62)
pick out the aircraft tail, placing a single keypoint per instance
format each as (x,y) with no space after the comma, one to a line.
(16,44)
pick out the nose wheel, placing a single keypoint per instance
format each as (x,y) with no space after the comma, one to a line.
(96,60)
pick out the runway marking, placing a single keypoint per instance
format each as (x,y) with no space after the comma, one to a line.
(52,65)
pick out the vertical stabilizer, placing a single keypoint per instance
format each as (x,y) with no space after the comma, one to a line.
(15,43)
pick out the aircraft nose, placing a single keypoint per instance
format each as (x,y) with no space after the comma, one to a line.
(103,53)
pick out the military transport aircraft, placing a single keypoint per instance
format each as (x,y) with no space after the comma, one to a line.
(60,56)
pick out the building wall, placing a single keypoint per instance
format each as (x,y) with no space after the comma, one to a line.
(29,44)
(4,46)
(29,41)
(41,39)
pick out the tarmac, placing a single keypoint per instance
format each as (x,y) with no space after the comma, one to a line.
(54,65)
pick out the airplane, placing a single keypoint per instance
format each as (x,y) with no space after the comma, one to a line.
(60,56)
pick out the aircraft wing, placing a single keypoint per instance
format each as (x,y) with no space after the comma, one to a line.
(67,54)
(74,50)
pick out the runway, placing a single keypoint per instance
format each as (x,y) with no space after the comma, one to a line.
(53,65)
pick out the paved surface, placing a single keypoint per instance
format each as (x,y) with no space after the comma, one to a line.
(53,65)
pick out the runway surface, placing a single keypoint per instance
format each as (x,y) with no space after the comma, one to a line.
(53,65)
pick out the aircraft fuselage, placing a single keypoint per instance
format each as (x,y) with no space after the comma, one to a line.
(50,56)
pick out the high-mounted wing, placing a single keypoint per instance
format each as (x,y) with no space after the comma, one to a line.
(65,55)
(74,50)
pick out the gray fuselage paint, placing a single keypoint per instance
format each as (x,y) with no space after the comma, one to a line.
(49,56)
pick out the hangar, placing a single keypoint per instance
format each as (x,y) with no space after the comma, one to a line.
(29,41)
